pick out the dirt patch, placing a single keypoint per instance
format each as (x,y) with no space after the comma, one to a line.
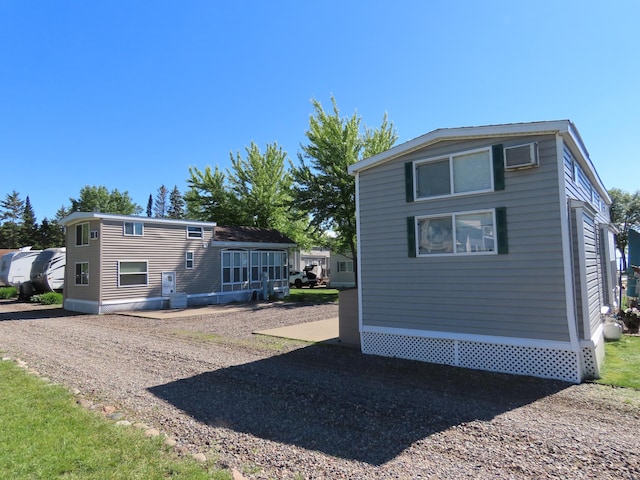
(284,409)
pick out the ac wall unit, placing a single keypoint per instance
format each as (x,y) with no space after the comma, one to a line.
(93,235)
(521,156)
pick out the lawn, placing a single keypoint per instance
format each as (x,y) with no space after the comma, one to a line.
(312,295)
(45,435)
(622,363)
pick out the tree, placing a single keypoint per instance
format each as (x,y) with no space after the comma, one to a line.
(150,206)
(176,204)
(12,209)
(208,198)
(625,213)
(160,204)
(99,199)
(324,187)
(29,229)
(51,234)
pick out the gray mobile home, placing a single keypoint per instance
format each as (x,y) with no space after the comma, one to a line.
(496,247)
(121,262)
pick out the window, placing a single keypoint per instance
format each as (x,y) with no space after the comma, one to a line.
(454,174)
(194,232)
(346,266)
(272,262)
(133,228)
(132,274)
(235,268)
(82,273)
(458,233)
(82,234)
(189,260)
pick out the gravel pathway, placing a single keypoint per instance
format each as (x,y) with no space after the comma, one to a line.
(274,408)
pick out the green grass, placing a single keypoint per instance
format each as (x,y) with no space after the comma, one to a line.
(45,435)
(8,292)
(49,298)
(312,295)
(622,363)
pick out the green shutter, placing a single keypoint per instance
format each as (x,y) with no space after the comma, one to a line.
(501,230)
(498,167)
(411,235)
(408,180)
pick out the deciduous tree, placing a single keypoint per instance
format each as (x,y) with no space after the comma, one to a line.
(625,213)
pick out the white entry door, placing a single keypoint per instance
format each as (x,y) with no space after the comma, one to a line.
(168,283)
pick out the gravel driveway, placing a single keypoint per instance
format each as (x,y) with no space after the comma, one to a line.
(273,408)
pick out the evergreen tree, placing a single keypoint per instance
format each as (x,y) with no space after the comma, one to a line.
(150,206)
(11,210)
(29,228)
(160,208)
(176,204)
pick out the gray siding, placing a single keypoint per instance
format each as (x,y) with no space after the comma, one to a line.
(164,247)
(520,294)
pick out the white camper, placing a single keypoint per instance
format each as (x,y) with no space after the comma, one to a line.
(47,270)
(15,267)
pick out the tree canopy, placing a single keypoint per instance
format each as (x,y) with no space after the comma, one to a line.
(625,213)
(100,199)
(323,186)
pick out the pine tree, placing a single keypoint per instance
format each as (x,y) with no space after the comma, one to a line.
(176,204)
(29,227)
(150,206)
(160,208)
(12,208)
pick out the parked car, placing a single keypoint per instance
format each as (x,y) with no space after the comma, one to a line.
(311,276)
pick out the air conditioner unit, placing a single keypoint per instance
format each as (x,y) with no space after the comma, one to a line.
(93,235)
(521,156)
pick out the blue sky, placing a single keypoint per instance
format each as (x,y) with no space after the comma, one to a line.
(130,94)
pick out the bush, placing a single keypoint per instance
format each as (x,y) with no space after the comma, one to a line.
(8,292)
(631,319)
(49,298)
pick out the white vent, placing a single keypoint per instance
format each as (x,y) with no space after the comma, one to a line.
(521,156)
(93,235)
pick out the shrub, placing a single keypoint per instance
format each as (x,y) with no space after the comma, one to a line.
(8,292)
(631,319)
(49,298)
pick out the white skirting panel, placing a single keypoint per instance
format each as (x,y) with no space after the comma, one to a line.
(517,359)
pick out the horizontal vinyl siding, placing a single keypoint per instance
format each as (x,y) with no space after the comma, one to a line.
(164,247)
(520,294)
(75,254)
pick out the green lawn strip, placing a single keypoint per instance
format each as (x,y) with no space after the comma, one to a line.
(45,435)
(312,295)
(622,363)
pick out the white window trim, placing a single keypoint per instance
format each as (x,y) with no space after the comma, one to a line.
(449,157)
(222,267)
(453,216)
(120,262)
(75,276)
(134,234)
(187,260)
(282,266)
(190,235)
(75,233)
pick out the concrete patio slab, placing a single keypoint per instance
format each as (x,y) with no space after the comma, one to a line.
(319,331)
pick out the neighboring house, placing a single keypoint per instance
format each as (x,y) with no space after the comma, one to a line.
(342,272)
(315,256)
(120,262)
(486,247)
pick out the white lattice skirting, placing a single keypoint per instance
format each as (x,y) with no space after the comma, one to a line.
(521,360)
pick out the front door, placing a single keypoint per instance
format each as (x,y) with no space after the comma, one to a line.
(168,283)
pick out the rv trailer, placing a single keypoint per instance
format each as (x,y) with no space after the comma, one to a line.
(47,270)
(15,267)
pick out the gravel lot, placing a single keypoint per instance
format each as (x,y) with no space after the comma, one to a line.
(273,408)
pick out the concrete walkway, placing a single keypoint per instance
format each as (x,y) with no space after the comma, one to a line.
(319,331)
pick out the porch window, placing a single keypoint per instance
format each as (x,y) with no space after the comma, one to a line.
(272,262)
(132,274)
(235,267)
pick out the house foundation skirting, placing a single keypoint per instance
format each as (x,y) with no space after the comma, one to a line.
(554,363)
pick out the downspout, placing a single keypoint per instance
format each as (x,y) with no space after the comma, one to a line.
(567,255)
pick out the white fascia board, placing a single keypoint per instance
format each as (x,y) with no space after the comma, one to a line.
(463,133)
(76,217)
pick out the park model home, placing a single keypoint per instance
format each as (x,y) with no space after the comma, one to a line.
(119,262)
(496,248)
